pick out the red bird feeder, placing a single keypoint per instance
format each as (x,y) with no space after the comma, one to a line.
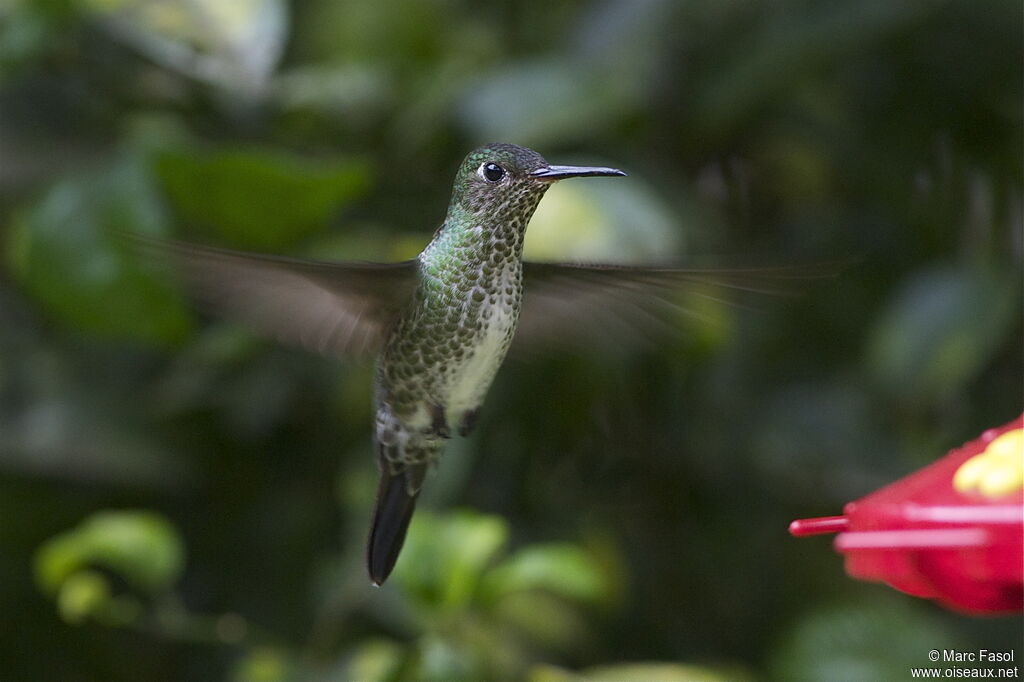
(952,531)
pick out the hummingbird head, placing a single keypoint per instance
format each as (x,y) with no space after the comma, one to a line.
(504,183)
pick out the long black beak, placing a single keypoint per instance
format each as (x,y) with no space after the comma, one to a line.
(562,172)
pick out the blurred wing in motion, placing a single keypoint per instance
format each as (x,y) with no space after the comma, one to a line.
(340,309)
(617,303)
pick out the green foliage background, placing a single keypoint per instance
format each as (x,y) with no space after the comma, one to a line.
(182,500)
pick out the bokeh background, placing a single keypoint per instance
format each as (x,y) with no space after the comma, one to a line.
(182,500)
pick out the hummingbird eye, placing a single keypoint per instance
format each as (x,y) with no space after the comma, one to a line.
(492,172)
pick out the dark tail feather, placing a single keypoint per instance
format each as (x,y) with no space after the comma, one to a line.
(390,522)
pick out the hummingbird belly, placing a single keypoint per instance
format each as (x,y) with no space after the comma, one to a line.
(467,380)
(447,350)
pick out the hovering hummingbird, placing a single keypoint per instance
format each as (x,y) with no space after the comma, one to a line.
(440,325)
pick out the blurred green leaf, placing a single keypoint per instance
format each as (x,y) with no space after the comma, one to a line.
(81,595)
(541,103)
(877,639)
(603,221)
(141,547)
(443,659)
(444,557)
(784,49)
(258,199)
(87,596)
(400,33)
(939,330)
(234,46)
(640,672)
(343,91)
(551,623)
(264,664)
(376,659)
(477,613)
(23,33)
(561,569)
(66,251)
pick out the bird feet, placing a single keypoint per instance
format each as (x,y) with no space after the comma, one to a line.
(469,419)
(439,423)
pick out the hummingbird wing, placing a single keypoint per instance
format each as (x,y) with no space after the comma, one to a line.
(341,309)
(587,302)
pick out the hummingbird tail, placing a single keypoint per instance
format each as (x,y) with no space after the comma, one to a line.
(396,501)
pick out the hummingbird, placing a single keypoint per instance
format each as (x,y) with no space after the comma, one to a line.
(439,325)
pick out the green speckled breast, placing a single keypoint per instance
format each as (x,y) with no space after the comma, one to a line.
(449,343)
